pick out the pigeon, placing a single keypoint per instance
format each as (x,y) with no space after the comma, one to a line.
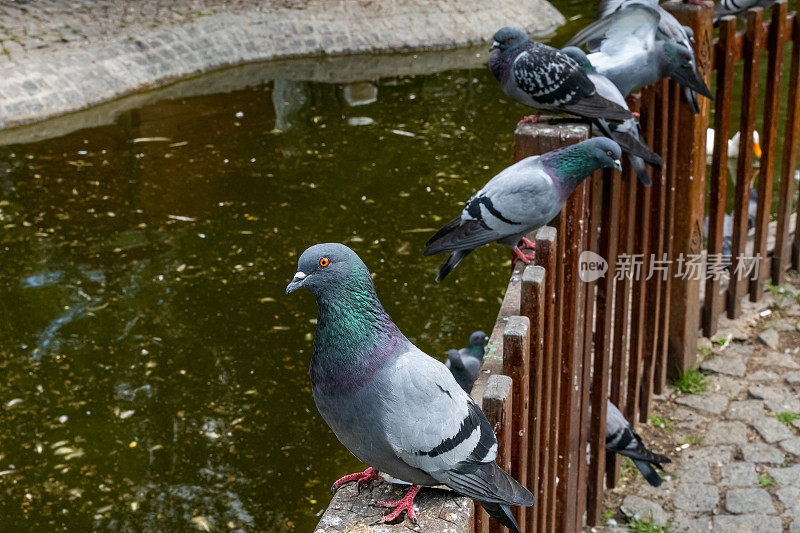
(727,227)
(639,44)
(523,197)
(737,7)
(733,145)
(621,438)
(394,407)
(626,134)
(539,76)
(465,363)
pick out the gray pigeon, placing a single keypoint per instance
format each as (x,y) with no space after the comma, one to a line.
(621,438)
(727,227)
(627,134)
(395,408)
(523,197)
(737,7)
(465,363)
(539,76)
(639,44)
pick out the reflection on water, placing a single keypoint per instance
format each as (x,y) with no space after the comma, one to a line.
(155,376)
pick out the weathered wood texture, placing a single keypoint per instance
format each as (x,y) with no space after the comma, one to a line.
(690,188)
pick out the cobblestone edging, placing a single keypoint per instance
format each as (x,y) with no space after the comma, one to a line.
(58,59)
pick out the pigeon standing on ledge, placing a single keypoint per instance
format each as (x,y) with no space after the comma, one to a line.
(465,363)
(626,134)
(523,197)
(542,77)
(622,439)
(395,408)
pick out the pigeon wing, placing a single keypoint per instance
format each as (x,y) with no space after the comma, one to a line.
(433,425)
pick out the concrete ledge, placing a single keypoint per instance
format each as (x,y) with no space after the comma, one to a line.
(438,511)
(117,58)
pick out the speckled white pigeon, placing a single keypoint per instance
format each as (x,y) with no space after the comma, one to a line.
(539,76)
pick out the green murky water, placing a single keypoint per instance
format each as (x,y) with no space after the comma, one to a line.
(154,373)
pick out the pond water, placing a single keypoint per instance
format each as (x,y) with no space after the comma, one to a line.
(154,373)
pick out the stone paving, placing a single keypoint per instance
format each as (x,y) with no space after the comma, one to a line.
(736,466)
(57,57)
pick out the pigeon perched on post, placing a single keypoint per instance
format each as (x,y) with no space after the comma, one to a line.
(737,7)
(638,44)
(395,408)
(542,77)
(621,438)
(627,134)
(523,197)
(465,363)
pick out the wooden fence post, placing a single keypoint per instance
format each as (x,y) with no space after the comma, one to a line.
(497,401)
(532,305)
(775,43)
(791,132)
(712,306)
(751,53)
(546,249)
(690,188)
(516,365)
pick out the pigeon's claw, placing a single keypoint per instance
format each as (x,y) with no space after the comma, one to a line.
(528,243)
(698,2)
(636,114)
(532,119)
(406,503)
(363,479)
(523,257)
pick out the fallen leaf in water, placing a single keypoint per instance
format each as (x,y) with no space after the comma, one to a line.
(150,140)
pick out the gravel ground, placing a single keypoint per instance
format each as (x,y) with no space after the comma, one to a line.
(735,447)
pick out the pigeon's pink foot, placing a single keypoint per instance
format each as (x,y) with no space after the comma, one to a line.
(363,478)
(765,25)
(636,114)
(530,119)
(698,2)
(406,503)
(522,257)
(529,243)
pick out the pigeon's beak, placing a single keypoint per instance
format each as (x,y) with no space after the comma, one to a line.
(688,77)
(495,46)
(618,165)
(296,283)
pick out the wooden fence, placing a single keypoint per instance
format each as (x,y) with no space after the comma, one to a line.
(569,345)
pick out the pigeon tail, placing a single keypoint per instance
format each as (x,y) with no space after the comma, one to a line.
(501,513)
(641,170)
(452,261)
(595,106)
(487,483)
(648,472)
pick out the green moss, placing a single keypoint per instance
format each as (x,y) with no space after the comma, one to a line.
(691,382)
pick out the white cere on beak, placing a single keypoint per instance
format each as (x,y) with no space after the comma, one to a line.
(298,276)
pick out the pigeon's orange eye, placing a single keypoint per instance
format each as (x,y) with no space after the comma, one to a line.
(324,261)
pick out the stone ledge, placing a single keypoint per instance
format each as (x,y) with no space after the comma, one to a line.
(36,84)
(438,511)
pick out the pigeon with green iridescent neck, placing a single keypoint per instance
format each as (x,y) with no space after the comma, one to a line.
(523,197)
(621,438)
(541,77)
(396,409)
(627,134)
(465,363)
